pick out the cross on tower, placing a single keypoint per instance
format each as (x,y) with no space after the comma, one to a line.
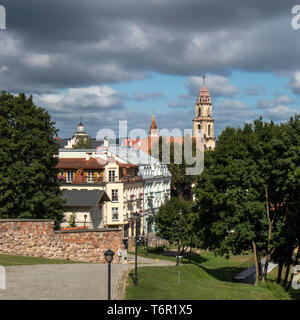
(204,76)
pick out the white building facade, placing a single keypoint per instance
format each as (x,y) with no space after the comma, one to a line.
(157,181)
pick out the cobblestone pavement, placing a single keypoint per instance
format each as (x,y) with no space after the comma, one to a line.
(69,281)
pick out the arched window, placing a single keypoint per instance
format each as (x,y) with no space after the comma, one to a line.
(199,126)
(209,130)
(199,112)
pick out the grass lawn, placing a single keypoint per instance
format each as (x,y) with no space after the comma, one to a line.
(207,278)
(295,294)
(9,260)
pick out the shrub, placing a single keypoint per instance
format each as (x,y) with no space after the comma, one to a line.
(72,220)
(277,290)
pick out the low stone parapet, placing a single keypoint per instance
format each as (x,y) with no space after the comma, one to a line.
(37,238)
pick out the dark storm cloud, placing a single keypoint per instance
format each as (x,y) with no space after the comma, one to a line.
(51,45)
(96,42)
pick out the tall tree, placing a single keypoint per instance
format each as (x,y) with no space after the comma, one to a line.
(248,189)
(181,183)
(228,197)
(28,178)
(171,226)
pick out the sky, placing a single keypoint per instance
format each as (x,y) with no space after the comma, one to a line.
(117,60)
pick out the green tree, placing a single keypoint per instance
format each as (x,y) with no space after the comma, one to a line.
(228,198)
(169,224)
(28,178)
(181,183)
(247,190)
(83,143)
(287,239)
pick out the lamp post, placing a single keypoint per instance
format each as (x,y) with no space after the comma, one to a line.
(85,216)
(109,255)
(147,224)
(135,219)
(178,250)
(136,245)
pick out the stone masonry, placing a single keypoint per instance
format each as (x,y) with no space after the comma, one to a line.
(37,238)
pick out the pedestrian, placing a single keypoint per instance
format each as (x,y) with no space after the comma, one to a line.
(119,254)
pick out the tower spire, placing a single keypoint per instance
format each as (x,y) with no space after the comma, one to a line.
(153,127)
(204,76)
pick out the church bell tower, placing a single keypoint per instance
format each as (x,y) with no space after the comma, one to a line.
(203,118)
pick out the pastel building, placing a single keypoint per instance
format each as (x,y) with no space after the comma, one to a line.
(89,170)
(157,182)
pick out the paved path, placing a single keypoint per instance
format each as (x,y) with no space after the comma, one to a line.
(68,281)
(60,282)
(148,262)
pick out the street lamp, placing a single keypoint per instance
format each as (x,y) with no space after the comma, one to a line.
(109,255)
(135,219)
(178,250)
(147,225)
(136,245)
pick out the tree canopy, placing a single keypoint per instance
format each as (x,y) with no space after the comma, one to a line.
(181,183)
(170,225)
(249,188)
(28,178)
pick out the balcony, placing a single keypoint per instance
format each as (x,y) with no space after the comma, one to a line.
(94,180)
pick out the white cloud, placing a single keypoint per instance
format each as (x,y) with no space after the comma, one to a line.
(294,82)
(233,112)
(284,99)
(217,86)
(72,99)
(269,104)
(280,112)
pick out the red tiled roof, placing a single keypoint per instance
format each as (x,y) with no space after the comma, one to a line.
(70,163)
(94,164)
(204,92)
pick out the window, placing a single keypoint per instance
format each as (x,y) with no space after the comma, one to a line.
(115,213)
(209,130)
(90,176)
(70,175)
(111,176)
(115,195)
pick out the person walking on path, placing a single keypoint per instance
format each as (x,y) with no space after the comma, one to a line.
(119,254)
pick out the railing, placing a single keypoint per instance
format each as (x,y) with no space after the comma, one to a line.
(94,180)
(243,266)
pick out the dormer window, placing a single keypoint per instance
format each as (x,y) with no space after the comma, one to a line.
(70,176)
(111,175)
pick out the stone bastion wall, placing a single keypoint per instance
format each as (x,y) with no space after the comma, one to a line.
(37,238)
